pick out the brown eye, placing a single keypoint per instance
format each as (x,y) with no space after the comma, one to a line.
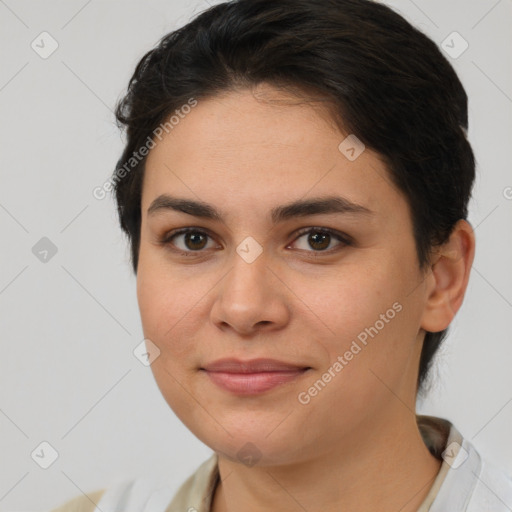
(320,239)
(195,240)
(188,240)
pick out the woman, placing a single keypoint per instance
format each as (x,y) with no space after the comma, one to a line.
(294,187)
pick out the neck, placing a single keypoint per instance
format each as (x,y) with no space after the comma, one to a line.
(383,466)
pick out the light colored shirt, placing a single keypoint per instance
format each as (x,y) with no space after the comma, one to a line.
(465,482)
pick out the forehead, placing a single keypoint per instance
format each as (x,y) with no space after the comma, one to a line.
(246,121)
(241,146)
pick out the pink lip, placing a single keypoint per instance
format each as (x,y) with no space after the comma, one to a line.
(252,377)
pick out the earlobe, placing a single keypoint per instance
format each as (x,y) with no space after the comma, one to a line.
(449,276)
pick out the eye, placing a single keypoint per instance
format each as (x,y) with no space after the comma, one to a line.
(188,240)
(320,239)
(193,240)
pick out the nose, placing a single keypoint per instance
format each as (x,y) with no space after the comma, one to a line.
(251,297)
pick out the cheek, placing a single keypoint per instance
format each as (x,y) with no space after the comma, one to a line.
(166,305)
(349,299)
(366,315)
(167,320)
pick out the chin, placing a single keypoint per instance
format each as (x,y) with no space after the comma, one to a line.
(254,444)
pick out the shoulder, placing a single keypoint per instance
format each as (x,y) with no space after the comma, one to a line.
(197,491)
(146,493)
(136,493)
(493,489)
(473,484)
(83,503)
(467,482)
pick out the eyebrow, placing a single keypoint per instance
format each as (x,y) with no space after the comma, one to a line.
(299,208)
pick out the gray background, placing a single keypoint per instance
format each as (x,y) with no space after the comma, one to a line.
(69,325)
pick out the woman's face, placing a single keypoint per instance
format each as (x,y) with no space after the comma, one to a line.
(338,295)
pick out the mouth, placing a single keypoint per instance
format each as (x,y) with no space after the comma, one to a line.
(254,376)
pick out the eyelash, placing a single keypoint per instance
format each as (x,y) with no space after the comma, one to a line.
(345,240)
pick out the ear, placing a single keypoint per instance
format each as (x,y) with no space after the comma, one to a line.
(448,278)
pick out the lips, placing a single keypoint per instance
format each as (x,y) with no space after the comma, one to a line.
(251,366)
(253,376)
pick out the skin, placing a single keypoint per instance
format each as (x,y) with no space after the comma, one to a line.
(356,444)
